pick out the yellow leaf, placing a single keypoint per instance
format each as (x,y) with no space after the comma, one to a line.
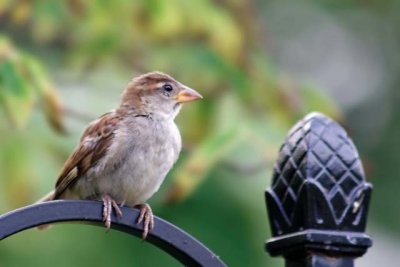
(21,11)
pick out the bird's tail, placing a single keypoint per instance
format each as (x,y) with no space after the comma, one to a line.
(48,197)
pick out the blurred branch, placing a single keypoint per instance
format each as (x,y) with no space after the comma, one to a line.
(198,164)
(78,115)
(246,169)
(24,83)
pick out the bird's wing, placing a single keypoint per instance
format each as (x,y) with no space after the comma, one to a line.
(92,147)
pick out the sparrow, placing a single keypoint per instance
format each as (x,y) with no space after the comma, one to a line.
(123,156)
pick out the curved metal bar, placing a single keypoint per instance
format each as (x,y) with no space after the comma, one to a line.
(166,236)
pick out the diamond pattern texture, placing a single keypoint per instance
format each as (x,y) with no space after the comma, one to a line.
(317,149)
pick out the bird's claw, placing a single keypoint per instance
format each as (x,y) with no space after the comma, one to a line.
(108,205)
(146,216)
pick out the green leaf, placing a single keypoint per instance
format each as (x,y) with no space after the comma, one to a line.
(315,100)
(16,94)
(50,102)
(195,168)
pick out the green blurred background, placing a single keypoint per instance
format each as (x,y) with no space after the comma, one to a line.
(260,65)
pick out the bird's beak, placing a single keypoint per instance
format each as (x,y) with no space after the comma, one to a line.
(187,95)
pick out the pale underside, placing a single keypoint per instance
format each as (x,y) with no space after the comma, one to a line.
(129,171)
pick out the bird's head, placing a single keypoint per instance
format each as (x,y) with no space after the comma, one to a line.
(158,94)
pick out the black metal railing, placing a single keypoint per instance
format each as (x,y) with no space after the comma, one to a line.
(318,201)
(166,236)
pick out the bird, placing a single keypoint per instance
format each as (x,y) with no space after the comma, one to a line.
(124,156)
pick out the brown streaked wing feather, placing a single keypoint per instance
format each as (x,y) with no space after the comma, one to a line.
(93,145)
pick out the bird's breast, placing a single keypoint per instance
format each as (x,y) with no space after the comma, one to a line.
(138,160)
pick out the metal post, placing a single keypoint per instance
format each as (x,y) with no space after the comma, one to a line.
(318,201)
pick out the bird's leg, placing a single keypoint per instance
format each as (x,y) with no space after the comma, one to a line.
(108,205)
(146,215)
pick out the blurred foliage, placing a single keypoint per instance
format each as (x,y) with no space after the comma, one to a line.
(215,50)
(216,47)
(23,82)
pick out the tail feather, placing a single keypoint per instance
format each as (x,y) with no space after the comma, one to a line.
(47,197)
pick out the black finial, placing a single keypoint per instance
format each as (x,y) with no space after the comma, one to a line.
(318,200)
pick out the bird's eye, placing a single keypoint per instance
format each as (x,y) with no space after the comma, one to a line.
(167,87)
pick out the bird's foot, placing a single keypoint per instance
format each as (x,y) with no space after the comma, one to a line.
(146,215)
(108,205)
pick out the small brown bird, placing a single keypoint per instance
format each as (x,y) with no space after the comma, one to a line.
(124,156)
